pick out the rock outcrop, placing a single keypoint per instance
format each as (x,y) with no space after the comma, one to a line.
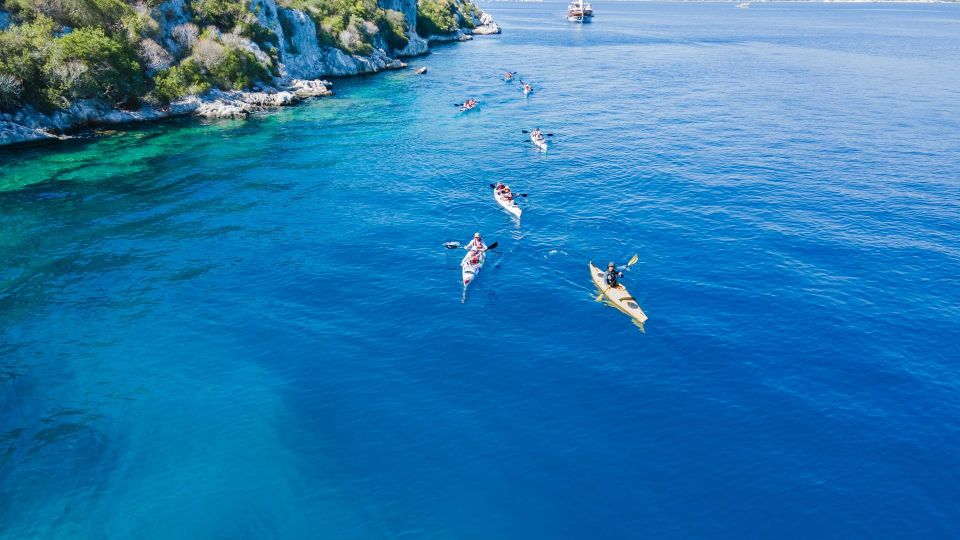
(486,26)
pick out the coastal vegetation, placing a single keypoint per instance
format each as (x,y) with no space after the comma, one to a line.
(54,53)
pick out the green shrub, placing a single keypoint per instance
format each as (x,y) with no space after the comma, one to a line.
(328,31)
(134,26)
(467,22)
(87,63)
(75,13)
(224,14)
(436,17)
(394,28)
(179,81)
(259,34)
(11,90)
(240,69)
(25,50)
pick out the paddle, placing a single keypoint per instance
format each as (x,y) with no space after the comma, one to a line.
(547,134)
(515,194)
(456,245)
(633,259)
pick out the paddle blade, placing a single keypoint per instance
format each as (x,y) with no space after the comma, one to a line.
(633,259)
(492,246)
(525,131)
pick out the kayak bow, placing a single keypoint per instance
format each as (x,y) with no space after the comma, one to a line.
(470,269)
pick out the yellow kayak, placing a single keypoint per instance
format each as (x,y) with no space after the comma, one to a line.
(618,296)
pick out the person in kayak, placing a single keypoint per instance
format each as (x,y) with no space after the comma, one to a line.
(503,190)
(613,275)
(507,76)
(476,244)
(476,247)
(537,134)
(470,103)
(527,88)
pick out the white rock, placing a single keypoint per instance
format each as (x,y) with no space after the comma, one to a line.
(487,29)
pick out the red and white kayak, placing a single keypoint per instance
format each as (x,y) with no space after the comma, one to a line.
(510,205)
(471,268)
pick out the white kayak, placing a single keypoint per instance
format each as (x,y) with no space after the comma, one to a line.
(540,142)
(470,269)
(508,205)
(618,296)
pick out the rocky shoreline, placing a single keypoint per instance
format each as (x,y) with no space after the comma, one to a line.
(30,125)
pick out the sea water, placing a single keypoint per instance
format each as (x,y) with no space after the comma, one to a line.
(251,328)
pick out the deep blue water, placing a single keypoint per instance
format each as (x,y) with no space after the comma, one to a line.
(250,329)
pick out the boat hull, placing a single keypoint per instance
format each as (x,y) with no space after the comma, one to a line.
(509,206)
(470,270)
(539,143)
(618,296)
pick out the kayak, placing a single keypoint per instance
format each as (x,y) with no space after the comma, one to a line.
(540,143)
(470,270)
(421,71)
(509,206)
(618,296)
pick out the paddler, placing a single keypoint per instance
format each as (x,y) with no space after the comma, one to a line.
(470,103)
(527,88)
(504,191)
(507,76)
(536,134)
(612,275)
(476,244)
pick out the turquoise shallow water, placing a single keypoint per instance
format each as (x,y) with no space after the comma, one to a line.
(249,329)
